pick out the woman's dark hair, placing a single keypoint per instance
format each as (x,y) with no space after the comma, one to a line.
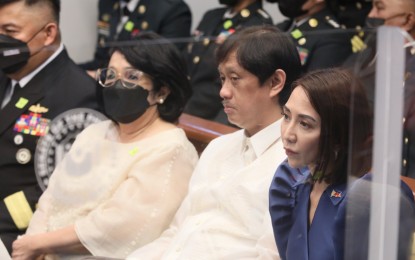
(262,58)
(346,123)
(161,60)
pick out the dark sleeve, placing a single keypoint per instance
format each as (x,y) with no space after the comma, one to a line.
(177,23)
(282,200)
(353,221)
(330,51)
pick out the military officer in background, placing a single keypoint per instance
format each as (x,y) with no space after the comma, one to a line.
(38,82)
(351,13)
(122,20)
(320,40)
(215,26)
(400,13)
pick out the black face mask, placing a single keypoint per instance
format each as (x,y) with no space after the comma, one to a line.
(14,54)
(291,8)
(272,1)
(125,105)
(373,23)
(228,2)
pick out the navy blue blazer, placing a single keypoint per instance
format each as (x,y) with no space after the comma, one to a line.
(325,237)
(295,238)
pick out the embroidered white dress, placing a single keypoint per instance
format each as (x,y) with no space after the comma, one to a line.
(119,196)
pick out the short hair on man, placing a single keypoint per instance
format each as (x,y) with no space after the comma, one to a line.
(275,50)
(54,5)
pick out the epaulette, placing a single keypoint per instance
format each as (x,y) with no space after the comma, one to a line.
(263,13)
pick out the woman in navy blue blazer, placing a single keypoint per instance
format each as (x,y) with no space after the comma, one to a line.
(309,188)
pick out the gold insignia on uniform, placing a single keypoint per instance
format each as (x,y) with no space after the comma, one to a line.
(38,109)
(23,156)
(357,44)
(206,41)
(313,22)
(406,140)
(142,9)
(115,6)
(106,17)
(144,25)
(302,41)
(196,59)
(245,13)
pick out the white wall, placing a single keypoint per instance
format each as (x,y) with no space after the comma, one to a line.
(78,23)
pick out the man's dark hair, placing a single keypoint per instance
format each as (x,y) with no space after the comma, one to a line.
(262,50)
(55,5)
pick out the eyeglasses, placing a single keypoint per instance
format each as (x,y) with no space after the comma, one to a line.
(129,77)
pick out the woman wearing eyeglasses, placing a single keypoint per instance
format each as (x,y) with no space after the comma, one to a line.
(123,179)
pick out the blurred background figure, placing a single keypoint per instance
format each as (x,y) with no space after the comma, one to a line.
(215,26)
(122,181)
(400,13)
(351,13)
(38,82)
(122,20)
(320,40)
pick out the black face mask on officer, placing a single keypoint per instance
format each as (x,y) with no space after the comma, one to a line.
(14,53)
(291,8)
(125,105)
(373,23)
(229,2)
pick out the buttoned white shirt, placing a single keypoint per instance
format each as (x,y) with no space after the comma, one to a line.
(225,213)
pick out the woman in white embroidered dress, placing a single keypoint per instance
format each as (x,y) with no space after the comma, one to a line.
(122,181)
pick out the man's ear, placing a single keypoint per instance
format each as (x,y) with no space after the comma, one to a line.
(277,82)
(52,33)
(409,25)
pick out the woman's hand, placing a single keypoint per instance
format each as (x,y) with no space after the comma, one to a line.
(26,247)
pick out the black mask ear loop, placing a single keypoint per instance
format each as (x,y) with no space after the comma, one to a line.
(31,38)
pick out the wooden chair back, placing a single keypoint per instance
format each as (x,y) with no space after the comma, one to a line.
(201,131)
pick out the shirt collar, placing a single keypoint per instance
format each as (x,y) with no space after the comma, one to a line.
(264,138)
(23,81)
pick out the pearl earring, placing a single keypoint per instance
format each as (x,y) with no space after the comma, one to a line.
(161,101)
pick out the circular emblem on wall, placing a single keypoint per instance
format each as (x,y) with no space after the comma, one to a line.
(63,130)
